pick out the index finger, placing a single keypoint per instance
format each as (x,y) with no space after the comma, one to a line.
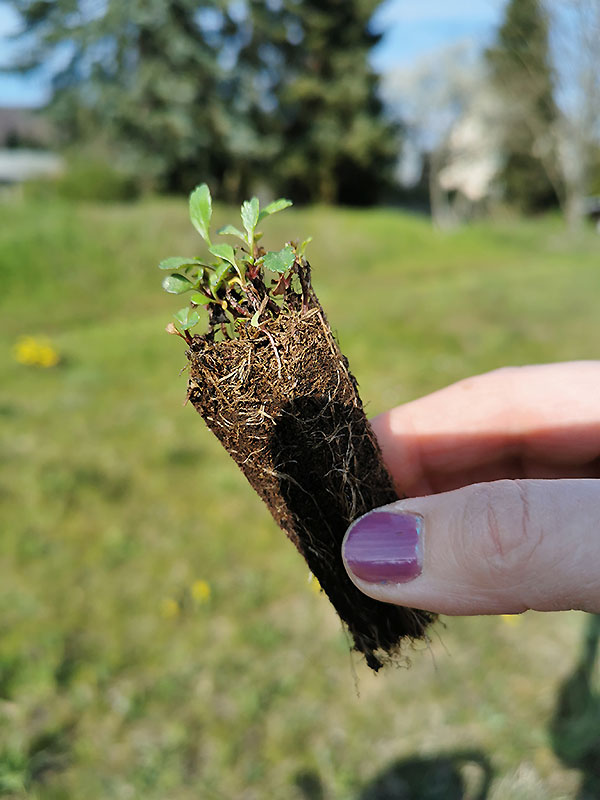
(517,422)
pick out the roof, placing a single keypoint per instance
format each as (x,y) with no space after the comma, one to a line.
(24,123)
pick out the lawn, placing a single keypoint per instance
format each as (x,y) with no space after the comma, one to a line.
(158,635)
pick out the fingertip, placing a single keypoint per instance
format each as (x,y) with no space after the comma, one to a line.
(385,546)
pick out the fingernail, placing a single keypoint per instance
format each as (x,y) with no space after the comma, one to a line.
(385,547)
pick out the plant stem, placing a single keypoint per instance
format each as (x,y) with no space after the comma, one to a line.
(235,305)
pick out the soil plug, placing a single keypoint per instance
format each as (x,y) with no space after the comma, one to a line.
(271,383)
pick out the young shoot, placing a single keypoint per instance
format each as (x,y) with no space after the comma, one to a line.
(240,284)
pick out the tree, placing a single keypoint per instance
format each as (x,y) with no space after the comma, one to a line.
(522,74)
(433,97)
(145,74)
(575,26)
(277,93)
(337,145)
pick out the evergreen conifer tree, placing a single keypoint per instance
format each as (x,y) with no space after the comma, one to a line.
(279,93)
(144,74)
(522,74)
(338,146)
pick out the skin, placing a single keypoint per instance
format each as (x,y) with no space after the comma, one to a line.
(505,470)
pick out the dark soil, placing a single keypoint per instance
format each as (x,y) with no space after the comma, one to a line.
(285,406)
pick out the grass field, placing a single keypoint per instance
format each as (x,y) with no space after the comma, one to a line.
(158,636)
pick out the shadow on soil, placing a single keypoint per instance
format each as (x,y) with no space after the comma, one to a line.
(329,472)
(575,726)
(574,734)
(450,776)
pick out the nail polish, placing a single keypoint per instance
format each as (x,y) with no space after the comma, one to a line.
(385,547)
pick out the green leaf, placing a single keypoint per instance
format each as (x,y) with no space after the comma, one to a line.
(176,262)
(232,231)
(274,207)
(296,285)
(280,261)
(200,299)
(187,318)
(216,278)
(250,215)
(303,246)
(201,210)
(224,251)
(176,284)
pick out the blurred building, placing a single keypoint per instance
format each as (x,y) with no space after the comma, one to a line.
(19,165)
(25,137)
(473,154)
(23,127)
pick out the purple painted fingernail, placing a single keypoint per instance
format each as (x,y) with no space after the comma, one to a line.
(385,547)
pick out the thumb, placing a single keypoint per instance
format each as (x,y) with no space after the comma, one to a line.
(488,548)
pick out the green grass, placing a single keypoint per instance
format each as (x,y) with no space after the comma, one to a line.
(116,499)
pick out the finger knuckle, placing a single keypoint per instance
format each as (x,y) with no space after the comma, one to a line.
(501,528)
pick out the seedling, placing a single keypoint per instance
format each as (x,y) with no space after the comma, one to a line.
(271,383)
(236,283)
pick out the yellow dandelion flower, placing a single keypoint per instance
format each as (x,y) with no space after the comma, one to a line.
(26,350)
(35,352)
(511,619)
(314,584)
(169,608)
(201,591)
(47,356)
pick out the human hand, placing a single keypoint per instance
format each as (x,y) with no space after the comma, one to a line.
(503,474)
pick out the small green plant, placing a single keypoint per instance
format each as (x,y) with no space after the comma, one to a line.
(239,285)
(270,381)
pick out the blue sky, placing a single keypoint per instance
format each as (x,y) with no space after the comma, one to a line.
(411,28)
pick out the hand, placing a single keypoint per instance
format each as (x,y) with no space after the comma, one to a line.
(503,474)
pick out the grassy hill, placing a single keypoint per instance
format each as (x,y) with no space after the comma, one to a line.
(158,635)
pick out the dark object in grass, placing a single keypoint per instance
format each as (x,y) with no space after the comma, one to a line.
(271,383)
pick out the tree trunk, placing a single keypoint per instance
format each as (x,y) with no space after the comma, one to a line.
(574,209)
(441,211)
